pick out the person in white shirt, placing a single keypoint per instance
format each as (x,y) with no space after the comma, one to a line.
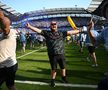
(8,62)
(82,39)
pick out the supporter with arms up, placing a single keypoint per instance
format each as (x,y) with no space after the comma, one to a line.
(55,48)
(101,38)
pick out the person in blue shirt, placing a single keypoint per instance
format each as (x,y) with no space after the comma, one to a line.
(32,38)
(91,49)
(101,38)
(23,40)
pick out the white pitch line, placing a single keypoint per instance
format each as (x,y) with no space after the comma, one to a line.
(29,53)
(57,84)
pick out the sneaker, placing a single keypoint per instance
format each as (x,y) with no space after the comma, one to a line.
(52,83)
(64,80)
(88,59)
(95,65)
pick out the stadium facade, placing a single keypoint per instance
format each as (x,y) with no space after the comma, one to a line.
(42,18)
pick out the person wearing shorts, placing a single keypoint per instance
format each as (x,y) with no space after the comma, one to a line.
(55,47)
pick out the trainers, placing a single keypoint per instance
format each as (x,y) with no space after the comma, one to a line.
(95,65)
(52,83)
(88,59)
(64,80)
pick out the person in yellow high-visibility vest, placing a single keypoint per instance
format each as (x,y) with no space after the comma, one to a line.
(68,39)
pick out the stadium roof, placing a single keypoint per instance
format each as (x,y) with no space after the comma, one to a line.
(58,11)
(94,4)
(8,9)
(99,9)
(55,12)
(94,8)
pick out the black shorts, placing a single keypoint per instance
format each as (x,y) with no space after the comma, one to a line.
(81,44)
(54,59)
(7,74)
(91,49)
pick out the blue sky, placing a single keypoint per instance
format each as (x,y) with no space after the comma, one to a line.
(23,6)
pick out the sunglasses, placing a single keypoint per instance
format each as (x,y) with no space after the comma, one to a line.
(53,24)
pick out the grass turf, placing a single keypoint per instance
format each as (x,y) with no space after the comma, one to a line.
(35,67)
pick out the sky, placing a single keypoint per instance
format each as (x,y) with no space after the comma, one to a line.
(23,6)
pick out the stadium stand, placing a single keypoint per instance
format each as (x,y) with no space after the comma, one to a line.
(42,18)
